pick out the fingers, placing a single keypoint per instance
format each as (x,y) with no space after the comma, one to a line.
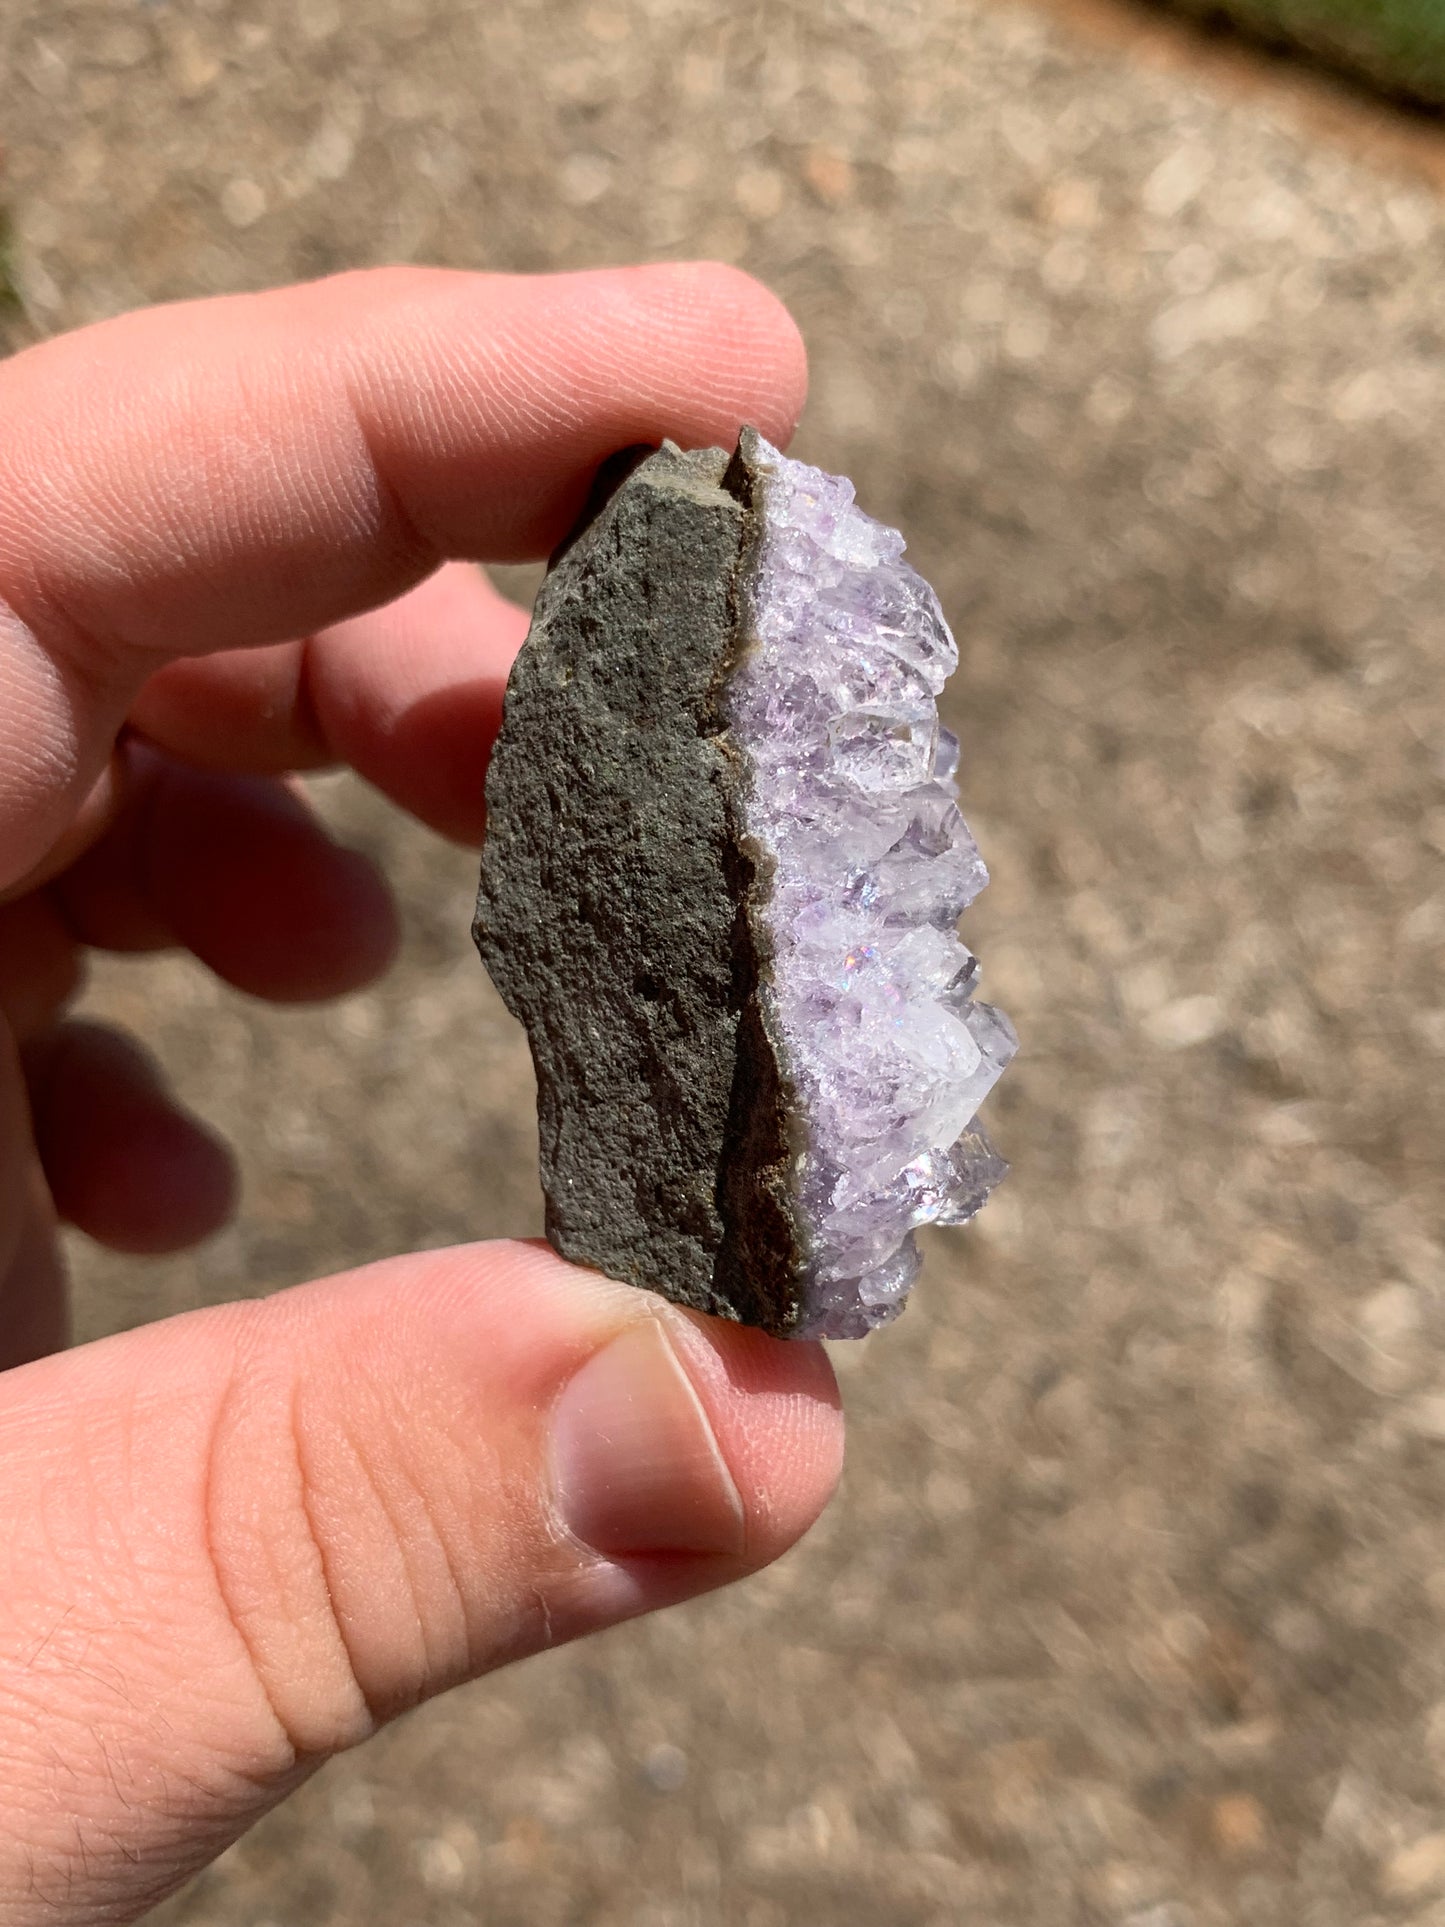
(123,1161)
(33,1310)
(40,965)
(231,473)
(97,810)
(243,1537)
(238,871)
(34,1307)
(409,695)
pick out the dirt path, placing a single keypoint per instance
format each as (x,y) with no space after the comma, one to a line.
(1133,1608)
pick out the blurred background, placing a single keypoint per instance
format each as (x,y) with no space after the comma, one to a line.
(1396,45)
(1132,1608)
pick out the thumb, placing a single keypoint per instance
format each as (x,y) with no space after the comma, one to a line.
(244,1537)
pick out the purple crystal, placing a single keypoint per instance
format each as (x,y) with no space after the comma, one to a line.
(722,876)
(853,803)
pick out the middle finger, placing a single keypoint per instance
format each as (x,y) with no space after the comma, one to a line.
(239,871)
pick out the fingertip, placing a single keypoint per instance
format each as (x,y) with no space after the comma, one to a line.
(777,1415)
(758,359)
(513,1314)
(770,341)
(411,695)
(347,936)
(172,1192)
(250,882)
(41,966)
(244,711)
(125,1162)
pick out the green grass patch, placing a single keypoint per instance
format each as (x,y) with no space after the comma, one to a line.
(1396,44)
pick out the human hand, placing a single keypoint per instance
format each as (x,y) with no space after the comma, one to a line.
(240,1539)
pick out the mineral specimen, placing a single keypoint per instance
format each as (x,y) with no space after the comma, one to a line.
(723,870)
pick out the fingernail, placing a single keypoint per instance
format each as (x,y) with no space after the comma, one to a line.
(635,1463)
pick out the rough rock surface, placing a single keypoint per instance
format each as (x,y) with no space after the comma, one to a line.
(611,906)
(723,867)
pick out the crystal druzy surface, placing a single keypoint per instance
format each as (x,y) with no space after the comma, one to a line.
(852,798)
(723,868)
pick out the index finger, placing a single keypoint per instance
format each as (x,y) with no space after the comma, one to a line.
(233,472)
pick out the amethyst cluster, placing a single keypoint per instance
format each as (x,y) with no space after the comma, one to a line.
(722,877)
(852,797)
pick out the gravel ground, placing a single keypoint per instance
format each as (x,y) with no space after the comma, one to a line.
(1133,1606)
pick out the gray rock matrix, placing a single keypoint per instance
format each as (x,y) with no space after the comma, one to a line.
(612,912)
(723,869)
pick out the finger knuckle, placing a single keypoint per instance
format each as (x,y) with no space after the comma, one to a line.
(333,1556)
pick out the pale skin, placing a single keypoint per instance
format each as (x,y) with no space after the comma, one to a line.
(235,542)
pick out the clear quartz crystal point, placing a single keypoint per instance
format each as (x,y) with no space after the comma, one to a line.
(853,797)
